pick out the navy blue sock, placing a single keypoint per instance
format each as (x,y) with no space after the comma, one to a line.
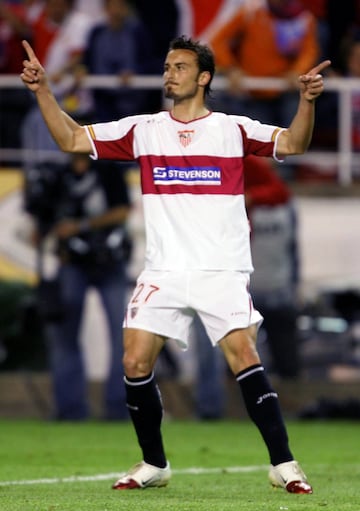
(145,408)
(263,407)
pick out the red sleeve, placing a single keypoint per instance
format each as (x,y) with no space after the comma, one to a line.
(262,184)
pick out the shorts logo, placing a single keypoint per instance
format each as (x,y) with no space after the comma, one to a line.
(185,137)
(187,175)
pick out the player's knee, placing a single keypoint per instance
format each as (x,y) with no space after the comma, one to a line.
(135,367)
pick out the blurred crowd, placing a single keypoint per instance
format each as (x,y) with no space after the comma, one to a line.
(123,38)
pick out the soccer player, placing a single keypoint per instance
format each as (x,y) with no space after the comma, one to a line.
(197,257)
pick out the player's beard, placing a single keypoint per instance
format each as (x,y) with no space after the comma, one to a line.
(170,93)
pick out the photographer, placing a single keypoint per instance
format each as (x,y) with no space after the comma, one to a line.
(88,223)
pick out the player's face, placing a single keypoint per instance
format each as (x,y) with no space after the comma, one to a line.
(181,75)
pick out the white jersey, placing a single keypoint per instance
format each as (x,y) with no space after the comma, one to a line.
(192,184)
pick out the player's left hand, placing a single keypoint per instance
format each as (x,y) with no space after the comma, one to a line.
(312,83)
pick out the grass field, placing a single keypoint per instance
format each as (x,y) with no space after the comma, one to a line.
(218,466)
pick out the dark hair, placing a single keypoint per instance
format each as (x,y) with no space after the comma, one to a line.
(205,56)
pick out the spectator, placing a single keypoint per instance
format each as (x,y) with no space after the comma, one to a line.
(319,8)
(13,102)
(13,28)
(275,39)
(33,10)
(201,18)
(352,65)
(94,8)
(59,34)
(161,34)
(123,31)
(89,228)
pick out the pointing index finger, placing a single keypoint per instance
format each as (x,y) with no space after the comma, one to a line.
(30,52)
(317,69)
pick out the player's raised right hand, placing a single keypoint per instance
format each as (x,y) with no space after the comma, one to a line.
(33,74)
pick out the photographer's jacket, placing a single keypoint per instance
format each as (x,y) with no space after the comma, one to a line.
(82,196)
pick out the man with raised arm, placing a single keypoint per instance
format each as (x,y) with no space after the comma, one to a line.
(197,257)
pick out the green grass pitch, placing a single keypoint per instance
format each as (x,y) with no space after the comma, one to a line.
(220,466)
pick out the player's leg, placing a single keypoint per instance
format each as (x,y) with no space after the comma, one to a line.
(262,404)
(158,304)
(260,399)
(141,350)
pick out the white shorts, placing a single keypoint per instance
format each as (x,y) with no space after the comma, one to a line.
(165,302)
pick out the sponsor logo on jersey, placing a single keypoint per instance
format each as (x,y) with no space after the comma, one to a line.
(187,175)
(185,137)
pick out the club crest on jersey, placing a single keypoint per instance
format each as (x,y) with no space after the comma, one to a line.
(185,137)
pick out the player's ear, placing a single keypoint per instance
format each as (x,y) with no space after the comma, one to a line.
(204,78)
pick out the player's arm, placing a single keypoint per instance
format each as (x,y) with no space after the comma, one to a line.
(67,133)
(296,139)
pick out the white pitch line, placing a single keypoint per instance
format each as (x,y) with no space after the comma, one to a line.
(105,477)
